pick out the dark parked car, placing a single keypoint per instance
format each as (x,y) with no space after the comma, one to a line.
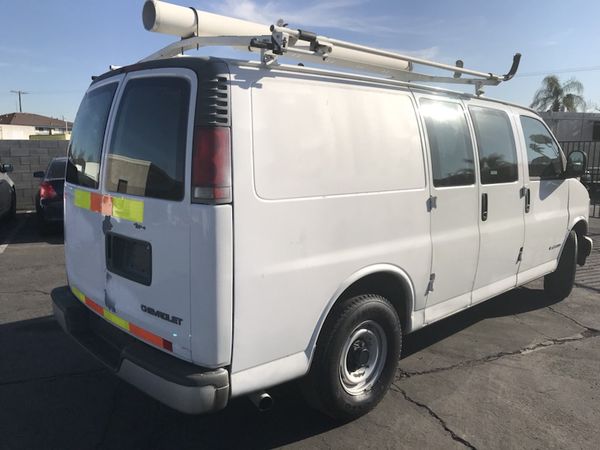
(591,180)
(8,197)
(49,198)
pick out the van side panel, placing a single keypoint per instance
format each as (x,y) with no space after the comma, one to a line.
(330,179)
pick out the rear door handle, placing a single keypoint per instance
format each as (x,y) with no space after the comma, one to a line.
(484,207)
(527,199)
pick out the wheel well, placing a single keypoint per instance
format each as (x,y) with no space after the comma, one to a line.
(388,285)
(580,228)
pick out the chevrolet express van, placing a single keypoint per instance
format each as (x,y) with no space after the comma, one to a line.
(230,226)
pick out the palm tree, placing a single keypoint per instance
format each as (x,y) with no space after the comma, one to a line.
(554,96)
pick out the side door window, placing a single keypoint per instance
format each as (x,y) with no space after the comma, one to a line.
(496,145)
(543,155)
(449,143)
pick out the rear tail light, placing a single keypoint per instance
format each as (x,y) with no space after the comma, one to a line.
(211,165)
(47,191)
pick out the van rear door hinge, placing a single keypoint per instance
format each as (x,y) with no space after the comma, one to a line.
(430,284)
(520,256)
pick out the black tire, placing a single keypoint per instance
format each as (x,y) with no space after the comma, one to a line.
(559,284)
(42,226)
(12,212)
(323,386)
(13,206)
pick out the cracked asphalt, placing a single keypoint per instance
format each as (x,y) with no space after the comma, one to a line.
(518,371)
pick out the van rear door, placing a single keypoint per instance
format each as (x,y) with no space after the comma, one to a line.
(146,187)
(84,246)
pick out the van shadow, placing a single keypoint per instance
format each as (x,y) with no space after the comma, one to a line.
(23,229)
(517,301)
(547,187)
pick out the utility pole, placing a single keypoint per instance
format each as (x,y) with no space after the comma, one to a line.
(19,93)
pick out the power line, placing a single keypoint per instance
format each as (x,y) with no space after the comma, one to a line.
(548,72)
(19,93)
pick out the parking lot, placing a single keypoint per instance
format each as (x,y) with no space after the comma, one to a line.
(515,372)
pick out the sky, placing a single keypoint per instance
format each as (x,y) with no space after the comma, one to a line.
(52,48)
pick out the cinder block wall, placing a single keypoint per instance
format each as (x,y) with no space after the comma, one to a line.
(27,157)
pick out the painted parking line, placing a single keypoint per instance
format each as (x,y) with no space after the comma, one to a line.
(12,234)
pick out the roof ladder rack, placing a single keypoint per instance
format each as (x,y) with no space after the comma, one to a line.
(202,29)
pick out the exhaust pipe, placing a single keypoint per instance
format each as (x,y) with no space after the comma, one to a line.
(166,18)
(262,400)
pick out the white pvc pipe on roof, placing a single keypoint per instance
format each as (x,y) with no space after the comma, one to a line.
(166,18)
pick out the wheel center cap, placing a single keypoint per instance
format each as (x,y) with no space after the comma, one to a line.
(359,355)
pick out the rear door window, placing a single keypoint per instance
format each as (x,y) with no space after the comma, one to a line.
(85,148)
(146,156)
(496,145)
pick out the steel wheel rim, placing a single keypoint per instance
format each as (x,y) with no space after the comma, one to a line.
(362,358)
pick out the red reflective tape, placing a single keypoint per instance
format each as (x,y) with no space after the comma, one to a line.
(128,326)
(147,336)
(106,208)
(95,202)
(93,305)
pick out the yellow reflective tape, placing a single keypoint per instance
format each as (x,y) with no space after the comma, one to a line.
(77,293)
(127,209)
(83,199)
(116,320)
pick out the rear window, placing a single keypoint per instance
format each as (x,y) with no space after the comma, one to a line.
(85,148)
(146,156)
(56,169)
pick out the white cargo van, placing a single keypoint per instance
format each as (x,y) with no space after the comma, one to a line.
(231,225)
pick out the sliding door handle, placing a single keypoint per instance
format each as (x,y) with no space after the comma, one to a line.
(484,207)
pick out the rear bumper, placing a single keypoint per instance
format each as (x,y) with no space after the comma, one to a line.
(51,211)
(176,383)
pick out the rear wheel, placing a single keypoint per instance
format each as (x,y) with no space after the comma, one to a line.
(356,357)
(12,212)
(559,284)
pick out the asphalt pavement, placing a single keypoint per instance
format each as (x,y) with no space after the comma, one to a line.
(518,371)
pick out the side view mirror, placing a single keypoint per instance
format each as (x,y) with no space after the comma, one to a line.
(576,164)
(38,174)
(6,168)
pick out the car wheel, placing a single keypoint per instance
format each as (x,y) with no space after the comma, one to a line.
(42,226)
(12,212)
(356,357)
(559,284)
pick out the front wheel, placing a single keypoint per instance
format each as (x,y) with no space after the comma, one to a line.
(356,357)
(559,284)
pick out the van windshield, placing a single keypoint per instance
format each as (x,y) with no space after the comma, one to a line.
(146,156)
(85,148)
